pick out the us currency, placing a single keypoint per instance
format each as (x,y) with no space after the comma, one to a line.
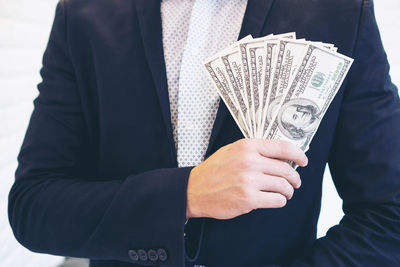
(255,55)
(289,55)
(230,57)
(330,47)
(288,67)
(235,89)
(326,45)
(215,70)
(270,54)
(270,48)
(253,61)
(247,83)
(303,106)
(233,70)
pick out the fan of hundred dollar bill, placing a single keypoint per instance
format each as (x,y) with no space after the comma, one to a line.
(278,87)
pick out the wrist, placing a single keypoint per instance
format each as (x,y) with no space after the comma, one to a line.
(189,196)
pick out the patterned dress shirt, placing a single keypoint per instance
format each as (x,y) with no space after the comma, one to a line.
(194,30)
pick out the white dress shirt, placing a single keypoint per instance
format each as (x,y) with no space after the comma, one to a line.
(194,30)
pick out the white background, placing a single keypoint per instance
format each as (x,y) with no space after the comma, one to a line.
(24,29)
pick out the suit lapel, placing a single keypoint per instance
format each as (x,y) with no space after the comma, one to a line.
(254,19)
(148,12)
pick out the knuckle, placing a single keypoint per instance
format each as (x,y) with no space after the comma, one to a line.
(270,142)
(287,170)
(290,191)
(290,151)
(285,188)
(296,176)
(279,201)
(246,161)
(282,183)
(252,202)
(246,193)
(243,144)
(243,181)
(291,174)
(284,144)
(286,149)
(280,148)
(275,144)
(259,203)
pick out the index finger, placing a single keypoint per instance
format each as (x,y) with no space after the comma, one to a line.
(282,150)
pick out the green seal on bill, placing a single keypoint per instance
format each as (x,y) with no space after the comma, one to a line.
(318,79)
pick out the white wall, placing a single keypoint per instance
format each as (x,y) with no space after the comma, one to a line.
(24,29)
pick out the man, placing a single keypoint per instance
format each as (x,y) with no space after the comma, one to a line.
(106,169)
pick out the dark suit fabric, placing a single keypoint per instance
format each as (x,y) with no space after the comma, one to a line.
(98,176)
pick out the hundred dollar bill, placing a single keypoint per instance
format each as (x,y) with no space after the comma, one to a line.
(231,60)
(255,54)
(274,37)
(297,49)
(289,55)
(303,106)
(233,69)
(225,74)
(247,83)
(216,72)
(270,48)
(289,67)
(270,51)
(325,45)
(253,63)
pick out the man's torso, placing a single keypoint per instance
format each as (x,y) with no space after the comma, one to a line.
(116,49)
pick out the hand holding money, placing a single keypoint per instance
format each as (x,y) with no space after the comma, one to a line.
(277,87)
(240,177)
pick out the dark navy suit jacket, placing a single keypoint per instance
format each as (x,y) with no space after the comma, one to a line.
(98,176)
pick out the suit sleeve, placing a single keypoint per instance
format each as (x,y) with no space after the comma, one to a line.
(365,163)
(55,207)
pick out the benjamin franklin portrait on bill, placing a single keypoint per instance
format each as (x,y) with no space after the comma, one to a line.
(298,118)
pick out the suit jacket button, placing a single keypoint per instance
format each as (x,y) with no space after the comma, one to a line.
(133,255)
(142,255)
(152,254)
(162,254)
